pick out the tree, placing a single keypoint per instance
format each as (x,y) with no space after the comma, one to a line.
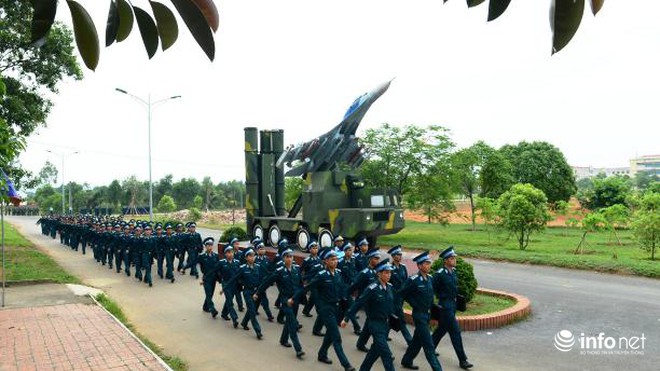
(163,187)
(646,223)
(592,222)
(197,202)
(166,204)
(208,193)
(609,191)
(48,173)
(645,179)
(616,216)
(292,189)
(201,17)
(544,166)
(496,175)
(114,195)
(432,193)
(134,193)
(466,166)
(522,210)
(184,192)
(399,155)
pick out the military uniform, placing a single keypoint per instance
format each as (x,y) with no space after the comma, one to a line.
(378,303)
(226,270)
(348,273)
(249,277)
(170,253)
(289,283)
(445,285)
(147,254)
(365,277)
(418,292)
(208,262)
(307,271)
(263,263)
(399,276)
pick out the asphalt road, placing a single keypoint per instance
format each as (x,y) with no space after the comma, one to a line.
(578,301)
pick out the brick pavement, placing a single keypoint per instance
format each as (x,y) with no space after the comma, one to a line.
(69,337)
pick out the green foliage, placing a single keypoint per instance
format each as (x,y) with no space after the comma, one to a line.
(184,192)
(432,192)
(522,210)
(400,155)
(646,223)
(48,173)
(232,232)
(544,166)
(467,282)
(166,204)
(645,180)
(607,192)
(292,189)
(496,175)
(197,202)
(194,214)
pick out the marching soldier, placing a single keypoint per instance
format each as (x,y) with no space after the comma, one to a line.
(378,303)
(366,277)
(361,261)
(193,243)
(418,292)
(263,262)
(208,262)
(249,277)
(348,273)
(330,291)
(126,241)
(180,238)
(308,263)
(148,253)
(445,285)
(170,252)
(240,258)
(136,251)
(399,276)
(289,283)
(160,250)
(227,268)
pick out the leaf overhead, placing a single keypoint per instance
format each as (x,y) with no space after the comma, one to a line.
(210,12)
(168,29)
(596,5)
(148,30)
(112,26)
(125,20)
(496,8)
(85,33)
(565,21)
(472,3)
(197,25)
(42,19)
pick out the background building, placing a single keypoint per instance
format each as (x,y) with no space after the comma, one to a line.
(650,163)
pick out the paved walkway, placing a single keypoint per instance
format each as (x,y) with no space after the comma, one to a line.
(69,337)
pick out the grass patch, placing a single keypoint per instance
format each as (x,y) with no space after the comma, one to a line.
(482,304)
(174,362)
(24,262)
(554,247)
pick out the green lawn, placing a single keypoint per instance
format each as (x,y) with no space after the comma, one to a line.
(482,304)
(24,262)
(554,246)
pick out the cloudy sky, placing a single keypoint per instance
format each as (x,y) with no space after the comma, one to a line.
(298,64)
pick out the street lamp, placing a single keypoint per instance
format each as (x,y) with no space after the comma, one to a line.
(63,156)
(149,104)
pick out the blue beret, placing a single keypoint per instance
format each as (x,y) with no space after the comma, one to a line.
(148,227)
(421,258)
(255,240)
(448,252)
(232,240)
(384,265)
(339,238)
(372,253)
(311,244)
(126,226)
(192,225)
(283,243)
(347,246)
(363,242)
(209,241)
(227,248)
(249,251)
(168,226)
(286,252)
(396,250)
(259,244)
(117,226)
(179,225)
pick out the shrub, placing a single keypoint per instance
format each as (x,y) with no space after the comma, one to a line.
(467,282)
(166,204)
(231,232)
(194,214)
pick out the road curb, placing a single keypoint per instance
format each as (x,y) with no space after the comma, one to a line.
(515,313)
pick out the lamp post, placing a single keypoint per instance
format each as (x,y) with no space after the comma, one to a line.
(149,104)
(63,156)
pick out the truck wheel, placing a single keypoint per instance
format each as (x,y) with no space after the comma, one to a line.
(325,238)
(258,231)
(302,238)
(274,235)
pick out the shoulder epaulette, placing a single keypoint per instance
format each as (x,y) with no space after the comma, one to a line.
(243,265)
(414,277)
(372,286)
(365,270)
(280,269)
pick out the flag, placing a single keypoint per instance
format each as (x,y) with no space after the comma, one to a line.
(10,191)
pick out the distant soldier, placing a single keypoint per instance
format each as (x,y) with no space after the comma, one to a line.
(418,292)
(170,252)
(125,249)
(136,251)
(240,258)
(227,268)
(308,263)
(378,303)
(263,262)
(160,250)
(445,284)
(148,253)
(348,273)
(360,258)
(289,283)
